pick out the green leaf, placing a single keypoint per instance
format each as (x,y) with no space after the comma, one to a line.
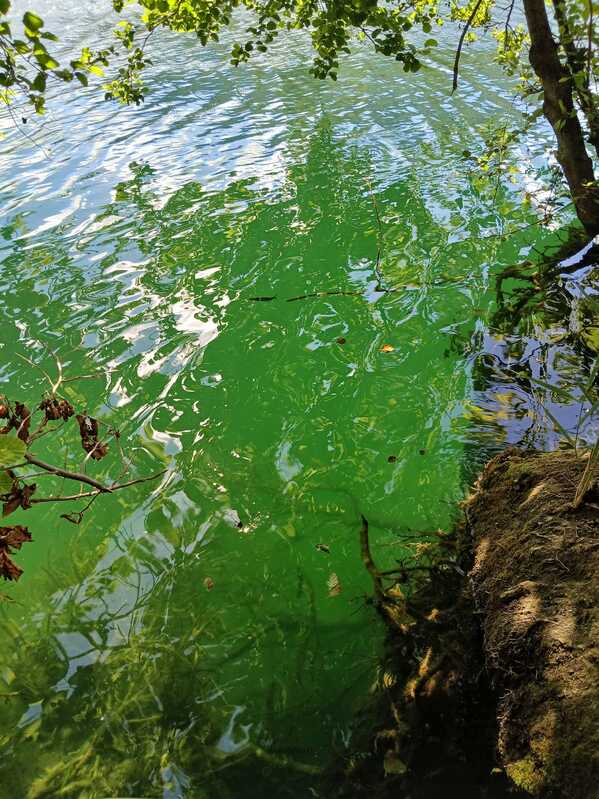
(12,450)
(32,21)
(5,483)
(4,6)
(46,61)
(21,47)
(64,74)
(39,84)
(82,78)
(431,43)
(593,374)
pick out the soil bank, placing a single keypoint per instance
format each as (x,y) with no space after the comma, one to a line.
(490,683)
(535,582)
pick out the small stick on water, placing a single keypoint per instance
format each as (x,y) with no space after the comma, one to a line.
(323,294)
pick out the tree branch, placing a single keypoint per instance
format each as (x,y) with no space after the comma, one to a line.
(78,476)
(456,63)
(114,487)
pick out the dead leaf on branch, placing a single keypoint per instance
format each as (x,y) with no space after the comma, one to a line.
(15,454)
(8,568)
(55,409)
(19,497)
(88,430)
(74,518)
(11,538)
(23,422)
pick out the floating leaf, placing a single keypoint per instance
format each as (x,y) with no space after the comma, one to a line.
(12,450)
(208,583)
(334,585)
(387,348)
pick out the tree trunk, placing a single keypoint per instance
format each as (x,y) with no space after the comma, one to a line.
(558,108)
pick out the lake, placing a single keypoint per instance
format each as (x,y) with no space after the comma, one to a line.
(282,292)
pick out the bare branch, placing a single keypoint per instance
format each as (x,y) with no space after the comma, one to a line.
(113,487)
(508,27)
(78,476)
(456,64)
(35,366)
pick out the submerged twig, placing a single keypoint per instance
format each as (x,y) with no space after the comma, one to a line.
(323,294)
(368,561)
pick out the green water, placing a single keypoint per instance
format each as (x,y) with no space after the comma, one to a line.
(185,623)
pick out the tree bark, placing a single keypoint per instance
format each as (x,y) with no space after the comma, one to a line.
(558,108)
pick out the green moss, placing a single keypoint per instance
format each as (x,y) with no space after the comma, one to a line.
(526,775)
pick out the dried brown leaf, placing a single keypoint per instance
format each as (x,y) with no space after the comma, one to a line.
(88,430)
(19,497)
(23,415)
(8,568)
(55,409)
(11,538)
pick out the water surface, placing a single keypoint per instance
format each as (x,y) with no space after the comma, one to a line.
(192,621)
